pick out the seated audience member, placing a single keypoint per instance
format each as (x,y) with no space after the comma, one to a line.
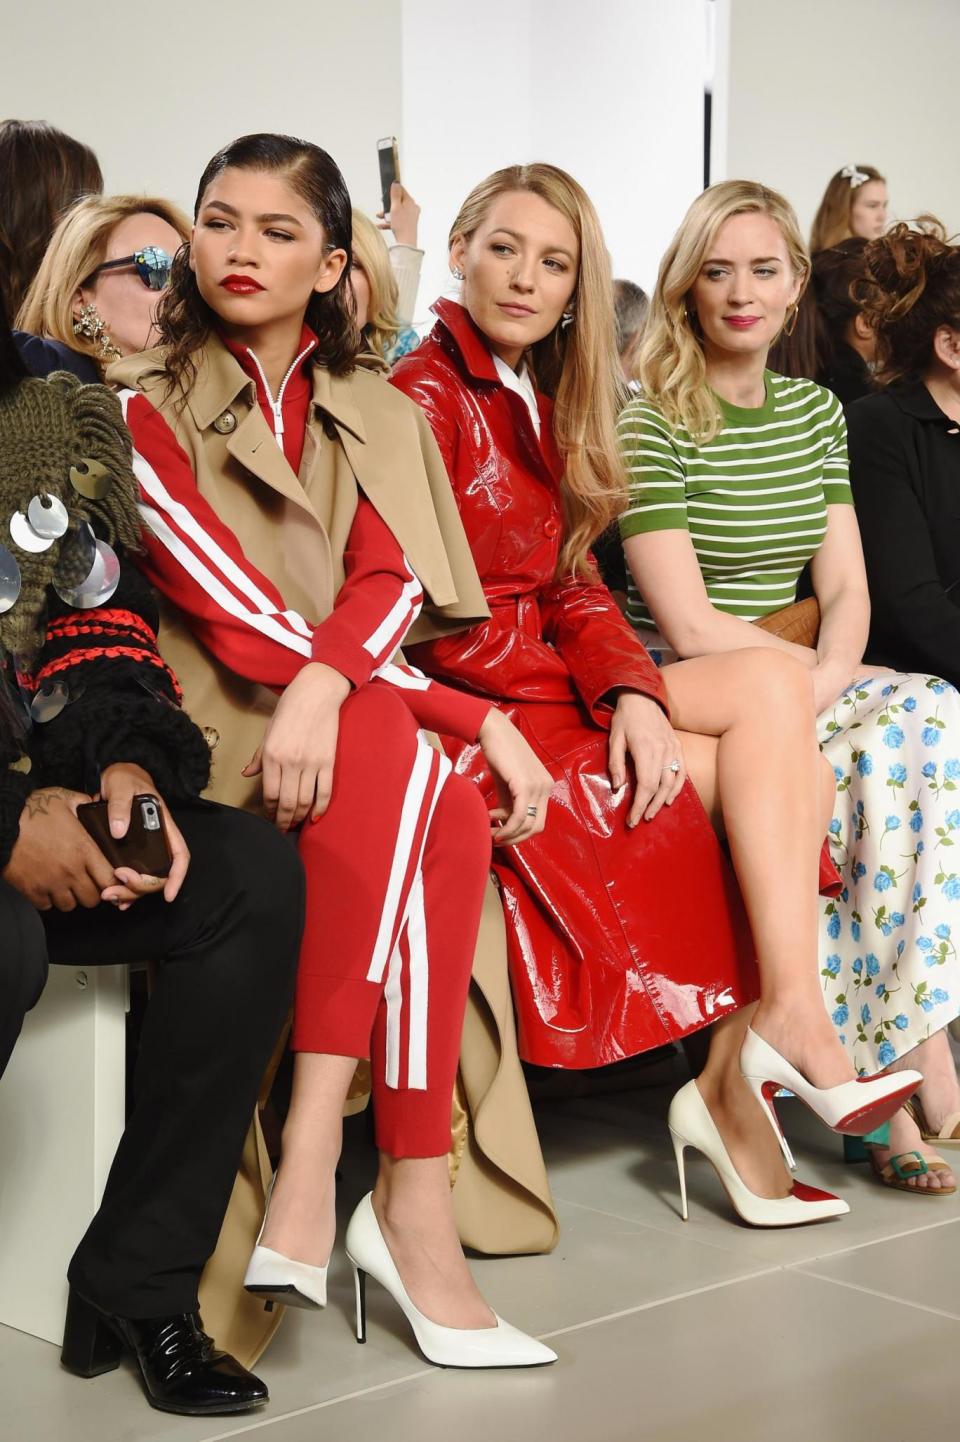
(846,346)
(829,339)
(630,306)
(738,479)
(905,449)
(99,284)
(42,172)
(297,515)
(854,203)
(608,956)
(88,708)
(406,258)
(374,284)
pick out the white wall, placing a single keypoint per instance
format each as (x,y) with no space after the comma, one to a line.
(157,88)
(613,93)
(825,83)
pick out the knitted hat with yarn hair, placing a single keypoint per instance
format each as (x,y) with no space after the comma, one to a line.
(46,428)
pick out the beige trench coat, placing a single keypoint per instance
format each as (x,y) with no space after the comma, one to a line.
(361,433)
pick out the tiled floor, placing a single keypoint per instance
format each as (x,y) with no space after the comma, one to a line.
(705,1332)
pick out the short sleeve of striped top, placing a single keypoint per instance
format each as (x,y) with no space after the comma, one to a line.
(753,498)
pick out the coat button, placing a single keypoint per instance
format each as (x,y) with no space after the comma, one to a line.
(225,423)
(551,528)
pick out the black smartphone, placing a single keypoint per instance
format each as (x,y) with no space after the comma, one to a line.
(144,848)
(389,158)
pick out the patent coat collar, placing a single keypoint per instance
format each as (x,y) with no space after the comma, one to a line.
(468,339)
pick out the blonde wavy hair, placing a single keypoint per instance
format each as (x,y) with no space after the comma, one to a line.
(831,224)
(673,369)
(577,366)
(371,255)
(77,247)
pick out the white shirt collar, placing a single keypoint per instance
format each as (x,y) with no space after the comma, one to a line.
(522,385)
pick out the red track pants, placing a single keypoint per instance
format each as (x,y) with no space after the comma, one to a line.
(396,869)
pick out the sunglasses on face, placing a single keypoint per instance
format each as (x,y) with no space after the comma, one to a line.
(152,265)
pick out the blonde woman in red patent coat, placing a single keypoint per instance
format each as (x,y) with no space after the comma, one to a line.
(624,921)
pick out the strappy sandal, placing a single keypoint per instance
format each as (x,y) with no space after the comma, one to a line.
(902,1171)
(949,1133)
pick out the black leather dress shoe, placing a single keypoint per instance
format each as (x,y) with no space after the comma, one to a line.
(182,1370)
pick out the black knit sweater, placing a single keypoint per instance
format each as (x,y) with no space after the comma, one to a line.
(124,706)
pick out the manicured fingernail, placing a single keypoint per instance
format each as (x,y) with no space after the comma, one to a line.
(315,819)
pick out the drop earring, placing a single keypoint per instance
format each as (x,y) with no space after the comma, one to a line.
(89,324)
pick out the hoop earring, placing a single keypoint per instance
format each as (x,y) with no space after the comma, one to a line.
(790,324)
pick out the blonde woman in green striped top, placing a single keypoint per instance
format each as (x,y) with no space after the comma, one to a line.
(738,479)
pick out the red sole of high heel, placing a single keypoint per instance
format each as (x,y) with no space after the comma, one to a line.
(867,1119)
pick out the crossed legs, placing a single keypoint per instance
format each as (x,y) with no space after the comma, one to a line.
(748,729)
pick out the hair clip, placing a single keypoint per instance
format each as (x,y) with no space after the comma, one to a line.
(856,177)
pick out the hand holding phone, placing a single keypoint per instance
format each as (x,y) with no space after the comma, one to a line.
(143,848)
(403,217)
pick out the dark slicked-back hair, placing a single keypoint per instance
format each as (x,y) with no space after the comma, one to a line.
(185,320)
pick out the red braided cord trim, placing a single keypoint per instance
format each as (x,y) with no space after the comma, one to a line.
(100,620)
(66,663)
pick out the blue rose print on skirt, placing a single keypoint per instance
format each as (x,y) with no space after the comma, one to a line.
(888,959)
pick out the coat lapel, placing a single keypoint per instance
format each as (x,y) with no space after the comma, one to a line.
(257,451)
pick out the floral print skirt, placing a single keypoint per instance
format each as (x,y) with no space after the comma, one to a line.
(888,943)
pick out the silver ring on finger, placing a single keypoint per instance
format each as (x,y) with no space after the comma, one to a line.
(673,766)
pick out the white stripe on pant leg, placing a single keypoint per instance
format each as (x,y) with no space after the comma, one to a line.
(419,988)
(418,971)
(393,996)
(409,815)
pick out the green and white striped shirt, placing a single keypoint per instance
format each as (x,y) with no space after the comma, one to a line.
(754,499)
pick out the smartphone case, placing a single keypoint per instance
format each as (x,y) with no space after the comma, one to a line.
(145,851)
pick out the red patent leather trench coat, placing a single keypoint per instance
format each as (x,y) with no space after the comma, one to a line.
(618,941)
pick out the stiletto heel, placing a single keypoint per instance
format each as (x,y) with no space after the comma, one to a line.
(360,1287)
(678,1149)
(765,1094)
(691,1125)
(276,1278)
(854,1107)
(90,1345)
(498,1346)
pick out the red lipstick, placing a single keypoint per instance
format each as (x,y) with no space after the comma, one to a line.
(741,322)
(241,284)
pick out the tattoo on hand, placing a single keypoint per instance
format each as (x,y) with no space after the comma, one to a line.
(38,802)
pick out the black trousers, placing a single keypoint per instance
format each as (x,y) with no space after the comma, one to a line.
(227,950)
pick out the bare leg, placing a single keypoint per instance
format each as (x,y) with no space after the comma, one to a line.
(738,1115)
(412,1200)
(302,1221)
(414,1206)
(765,767)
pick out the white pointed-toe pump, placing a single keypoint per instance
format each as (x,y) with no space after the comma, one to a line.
(498,1346)
(853,1107)
(276,1278)
(691,1125)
